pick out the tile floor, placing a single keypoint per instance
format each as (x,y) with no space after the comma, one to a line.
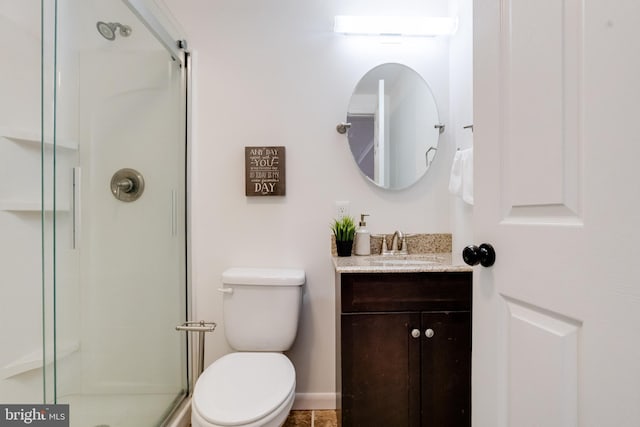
(324,418)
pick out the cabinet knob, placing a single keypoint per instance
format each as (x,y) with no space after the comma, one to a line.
(429,333)
(415,333)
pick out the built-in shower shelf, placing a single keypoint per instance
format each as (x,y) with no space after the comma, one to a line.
(24,136)
(33,360)
(22,206)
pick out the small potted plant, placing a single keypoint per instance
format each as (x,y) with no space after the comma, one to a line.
(344,229)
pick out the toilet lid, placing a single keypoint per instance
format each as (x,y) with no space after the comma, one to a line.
(240,388)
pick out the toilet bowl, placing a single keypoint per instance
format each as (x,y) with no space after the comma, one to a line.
(255,386)
(244,389)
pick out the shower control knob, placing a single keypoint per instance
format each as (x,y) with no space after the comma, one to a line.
(484,255)
(415,333)
(127,185)
(429,333)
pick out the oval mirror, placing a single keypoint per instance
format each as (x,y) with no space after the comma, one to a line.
(394,126)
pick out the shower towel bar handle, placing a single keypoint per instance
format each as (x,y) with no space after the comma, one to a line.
(196,327)
(200,327)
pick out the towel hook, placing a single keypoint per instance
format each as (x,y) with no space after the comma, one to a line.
(427,154)
(468,127)
(342,127)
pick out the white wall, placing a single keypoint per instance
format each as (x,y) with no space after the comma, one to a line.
(461,72)
(272,73)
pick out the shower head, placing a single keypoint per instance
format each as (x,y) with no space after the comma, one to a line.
(108,29)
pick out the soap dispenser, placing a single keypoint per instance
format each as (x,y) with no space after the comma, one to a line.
(363,238)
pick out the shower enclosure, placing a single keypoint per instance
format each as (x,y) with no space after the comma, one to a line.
(93,276)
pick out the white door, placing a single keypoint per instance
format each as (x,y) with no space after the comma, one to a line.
(556,322)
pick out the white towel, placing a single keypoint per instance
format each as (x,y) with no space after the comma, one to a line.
(461,180)
(467,176)
(455,180)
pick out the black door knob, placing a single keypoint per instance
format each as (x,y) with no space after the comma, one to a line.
(483,255)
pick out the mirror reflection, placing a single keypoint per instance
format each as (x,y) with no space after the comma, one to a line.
(394,126)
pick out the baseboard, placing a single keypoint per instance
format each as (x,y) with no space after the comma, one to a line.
(304,401)
(311,401)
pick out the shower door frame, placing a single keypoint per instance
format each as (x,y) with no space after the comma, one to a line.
(180,416)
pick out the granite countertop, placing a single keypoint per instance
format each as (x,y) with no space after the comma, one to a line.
(413,263)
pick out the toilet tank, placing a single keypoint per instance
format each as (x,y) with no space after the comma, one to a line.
(261,307)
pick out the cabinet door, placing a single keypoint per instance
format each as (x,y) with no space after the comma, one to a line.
(446,369)
(380,370)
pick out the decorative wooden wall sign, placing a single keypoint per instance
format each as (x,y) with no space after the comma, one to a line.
(264,171)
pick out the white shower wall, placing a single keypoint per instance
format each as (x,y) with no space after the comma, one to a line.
(128,298)
(123,285)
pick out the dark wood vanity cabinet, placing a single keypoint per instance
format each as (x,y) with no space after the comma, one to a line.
(404,349)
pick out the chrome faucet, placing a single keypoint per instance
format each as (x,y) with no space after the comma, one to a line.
(398,244)
(397,241)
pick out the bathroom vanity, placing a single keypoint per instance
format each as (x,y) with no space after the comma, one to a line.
(403,329)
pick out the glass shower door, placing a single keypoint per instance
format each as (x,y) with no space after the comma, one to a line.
(120,245)
(25,208)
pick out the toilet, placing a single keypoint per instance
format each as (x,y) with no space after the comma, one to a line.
(255,386)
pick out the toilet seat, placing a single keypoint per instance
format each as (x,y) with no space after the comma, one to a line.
(244,389)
